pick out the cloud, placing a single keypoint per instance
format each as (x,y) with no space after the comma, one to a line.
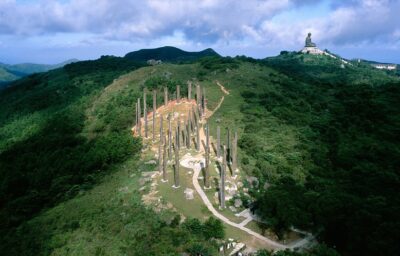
(210,23)
(201,20)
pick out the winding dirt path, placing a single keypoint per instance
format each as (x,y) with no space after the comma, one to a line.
(241,226)
(206,201)
(223,89)
(226,220)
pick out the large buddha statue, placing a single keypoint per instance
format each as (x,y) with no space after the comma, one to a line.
(309,43)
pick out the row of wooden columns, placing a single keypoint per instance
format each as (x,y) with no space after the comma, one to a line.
(182,136)
(200,100)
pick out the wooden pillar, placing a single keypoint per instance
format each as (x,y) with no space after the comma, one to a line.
(189,132)
(164,169)
(160,163)
(195,119)
(137,118)
(165,96)
(145,112)
(204,106)
(228,146)
(183,133)
(198,94)
(197,137)
(199,115)
(218,141)
(178,137)
(178,94)
(169,137)
(161,129)
(189,90)
(207,171)
(140,118)
(207,139)
(222,183)
(154,113)
(234,152)
(176,169)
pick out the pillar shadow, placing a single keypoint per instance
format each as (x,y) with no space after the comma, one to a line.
(194,143)
(204,145)
(229,167)
(203,172)
(219,167)
(216,183)
(214,148)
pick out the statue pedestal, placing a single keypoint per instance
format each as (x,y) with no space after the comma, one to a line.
(312,50)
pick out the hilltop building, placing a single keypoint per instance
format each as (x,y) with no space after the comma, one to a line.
(385,66)
(154,62)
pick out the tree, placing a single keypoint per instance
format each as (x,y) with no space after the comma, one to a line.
(213,228)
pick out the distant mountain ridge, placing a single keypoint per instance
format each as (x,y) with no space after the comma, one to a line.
(10,73)
(169,54)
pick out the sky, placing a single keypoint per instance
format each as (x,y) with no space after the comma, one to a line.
(51,31)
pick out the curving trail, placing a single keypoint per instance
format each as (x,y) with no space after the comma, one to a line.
(203,196)
(226,220)
(222,88)
(241,226)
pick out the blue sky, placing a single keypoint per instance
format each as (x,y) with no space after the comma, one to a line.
(51,31)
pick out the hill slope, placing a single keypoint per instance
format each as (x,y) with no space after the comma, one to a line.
(324,138)
(10,73)
(169,54)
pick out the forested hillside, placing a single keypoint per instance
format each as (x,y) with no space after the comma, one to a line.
(10,73)
(169,54)
(322,139)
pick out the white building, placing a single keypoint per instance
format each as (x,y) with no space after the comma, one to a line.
(385,66)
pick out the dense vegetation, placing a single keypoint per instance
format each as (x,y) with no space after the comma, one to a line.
(10,73)
(169,54)
(60,140)
(350,123)
(321,138)
(45,156)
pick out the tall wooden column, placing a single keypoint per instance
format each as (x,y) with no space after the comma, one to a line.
(161,129)
(188,131)
(197,136)
(169,137)
(198,94)
(164,179)
(218,141)
(189,91)
(178,94)
(165,96)
(140,118)
(204,106)
(154,113)
(207,139)
(207,158)
(178,137)
(137,118)
(228,146)
(222,183)
(160,162)
(234,152)
(176,169)
(145,112)
(183,133)
(207,171)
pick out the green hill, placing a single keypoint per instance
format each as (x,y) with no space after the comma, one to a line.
(10,73)
(323,137)
(169,54)
(6,75)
